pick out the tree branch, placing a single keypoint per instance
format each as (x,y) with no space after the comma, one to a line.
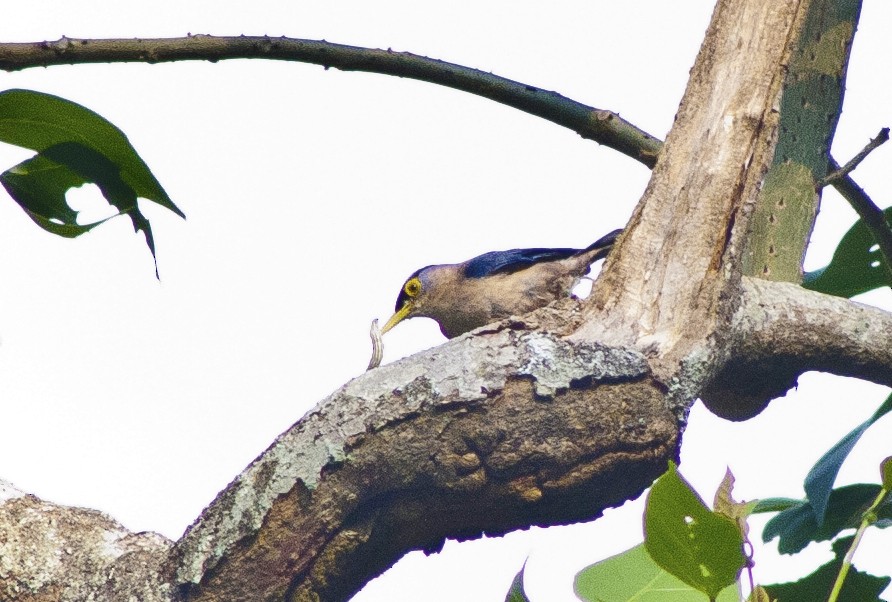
(542,431)
(533,420)
(604,127)
(538,432)
(814,331)
(52,552)
(781,331)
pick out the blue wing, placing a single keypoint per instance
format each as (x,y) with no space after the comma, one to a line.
(514,260)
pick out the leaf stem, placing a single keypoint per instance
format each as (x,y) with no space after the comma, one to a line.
(867,519)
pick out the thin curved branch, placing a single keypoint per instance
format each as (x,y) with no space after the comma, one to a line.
(604,127)
(873,217)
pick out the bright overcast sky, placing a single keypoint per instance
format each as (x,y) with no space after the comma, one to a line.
(310,196)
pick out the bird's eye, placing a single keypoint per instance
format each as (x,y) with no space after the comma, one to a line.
(413,287)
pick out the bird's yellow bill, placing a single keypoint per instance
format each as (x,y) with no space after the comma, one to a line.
(398,317)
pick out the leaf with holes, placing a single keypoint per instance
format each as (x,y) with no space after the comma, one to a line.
(633,575)
(702,548)
(74,146)
(856,266)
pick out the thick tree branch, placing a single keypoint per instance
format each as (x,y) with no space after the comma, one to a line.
(809,106)
(604,127)
(538,432)
(787,325)
(50,553)
(781,330)
(692,224)
(541,431)
(552,417)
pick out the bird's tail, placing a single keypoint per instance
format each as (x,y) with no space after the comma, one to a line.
(602,245)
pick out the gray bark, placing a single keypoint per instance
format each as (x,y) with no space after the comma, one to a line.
(552,417)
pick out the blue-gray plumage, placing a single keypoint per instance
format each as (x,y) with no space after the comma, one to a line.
(496,262)
(493,286)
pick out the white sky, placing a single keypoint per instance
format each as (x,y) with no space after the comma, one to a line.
(310,195)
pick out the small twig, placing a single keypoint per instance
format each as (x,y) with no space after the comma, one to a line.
(602,126)
(872,216)
(839,173)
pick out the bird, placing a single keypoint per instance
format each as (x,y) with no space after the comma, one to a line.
(493,286)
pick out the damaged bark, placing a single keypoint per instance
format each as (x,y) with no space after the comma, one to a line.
(487,433)
(549,418)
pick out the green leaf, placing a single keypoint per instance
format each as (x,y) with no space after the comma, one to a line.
(39,185)
(819,481)
(797,526)
(516,593)
(633,575)
(39,121)
(856,266)
(700,547)
(74,146)
(858,586)
(886,473)
(775,504)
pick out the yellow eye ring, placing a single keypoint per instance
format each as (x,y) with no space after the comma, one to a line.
(412,287)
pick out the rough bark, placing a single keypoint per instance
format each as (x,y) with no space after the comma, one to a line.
(51,553)
(551,418)
(512,425)
(487,433)
(779,333)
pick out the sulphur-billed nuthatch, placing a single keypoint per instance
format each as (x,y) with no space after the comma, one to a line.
(493,286)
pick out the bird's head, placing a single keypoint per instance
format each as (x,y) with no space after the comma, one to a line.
(411,299)
(446,294)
